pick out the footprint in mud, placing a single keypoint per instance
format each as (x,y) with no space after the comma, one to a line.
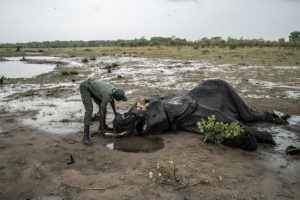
(9,121)
(6,134)
(3,147)
(136,144)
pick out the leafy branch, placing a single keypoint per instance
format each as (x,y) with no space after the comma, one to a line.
(216,132)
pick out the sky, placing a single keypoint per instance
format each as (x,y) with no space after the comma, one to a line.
(48,20)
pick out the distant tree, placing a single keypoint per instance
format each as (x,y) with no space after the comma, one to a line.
(281,42)
(205,42)
(294,36)
(217,41)
(18,49)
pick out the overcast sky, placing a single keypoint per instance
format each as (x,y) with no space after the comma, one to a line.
(47,20)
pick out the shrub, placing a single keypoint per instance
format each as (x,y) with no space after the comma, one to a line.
(216,132)
(195,47)
(69,71)
(18,49)
(205,51)
(85,60)
(232,46)
(111,65)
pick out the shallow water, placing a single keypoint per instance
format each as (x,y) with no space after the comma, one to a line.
(58,115)
(275,158)
(18,69)
(284,135)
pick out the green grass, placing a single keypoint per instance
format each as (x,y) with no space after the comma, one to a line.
(252,56)
(70,71)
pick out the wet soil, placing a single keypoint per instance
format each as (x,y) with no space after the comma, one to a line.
(136,144)
(41,127)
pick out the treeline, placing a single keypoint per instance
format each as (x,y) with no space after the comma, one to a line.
(293,41)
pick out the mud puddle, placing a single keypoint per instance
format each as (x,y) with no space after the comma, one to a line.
(284,135)
(275,158)
(57,107)
(136,144)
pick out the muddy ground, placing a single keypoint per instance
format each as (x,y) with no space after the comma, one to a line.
(41,127)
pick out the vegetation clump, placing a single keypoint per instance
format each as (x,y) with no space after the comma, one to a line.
(110,66)
(216,132)
(69,71)
(166,173)
(85,60)
(18,49)
(293,41)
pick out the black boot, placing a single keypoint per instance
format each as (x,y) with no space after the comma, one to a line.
(86,136)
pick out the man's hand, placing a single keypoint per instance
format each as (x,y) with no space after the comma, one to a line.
(98,133)
(117,114)
(101,132)
(107,128)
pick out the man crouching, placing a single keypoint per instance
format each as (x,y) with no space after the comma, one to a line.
(102,93)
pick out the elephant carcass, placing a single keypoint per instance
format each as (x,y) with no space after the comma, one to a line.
(182,112)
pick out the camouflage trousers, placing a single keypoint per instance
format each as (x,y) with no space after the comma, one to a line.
(86,97)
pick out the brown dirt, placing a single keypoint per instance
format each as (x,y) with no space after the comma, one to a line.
(33,165)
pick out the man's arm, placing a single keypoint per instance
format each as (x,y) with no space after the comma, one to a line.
(102,110)
(112,103)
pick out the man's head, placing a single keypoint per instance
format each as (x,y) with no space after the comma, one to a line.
(119,95)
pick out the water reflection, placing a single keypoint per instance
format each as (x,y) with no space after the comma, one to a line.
(284,135)
(18,69)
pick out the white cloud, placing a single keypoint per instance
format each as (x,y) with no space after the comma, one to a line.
(35,20)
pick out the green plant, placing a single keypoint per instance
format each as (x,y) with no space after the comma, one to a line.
(216,132)
(69,71)
(205,51)
(203,158)
(111,65)
(166,173)
(85,60)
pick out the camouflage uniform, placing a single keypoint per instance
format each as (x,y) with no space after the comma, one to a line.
(100,91)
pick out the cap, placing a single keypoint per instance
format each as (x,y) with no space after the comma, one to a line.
(119,95)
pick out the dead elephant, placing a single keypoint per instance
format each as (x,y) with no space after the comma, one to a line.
(211,97)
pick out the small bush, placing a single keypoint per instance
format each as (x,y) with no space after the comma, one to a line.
(232,46)
(69,71)
(166,173)
(205,51)
(18,49)
(85,60)
(216,132)
(111,65)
